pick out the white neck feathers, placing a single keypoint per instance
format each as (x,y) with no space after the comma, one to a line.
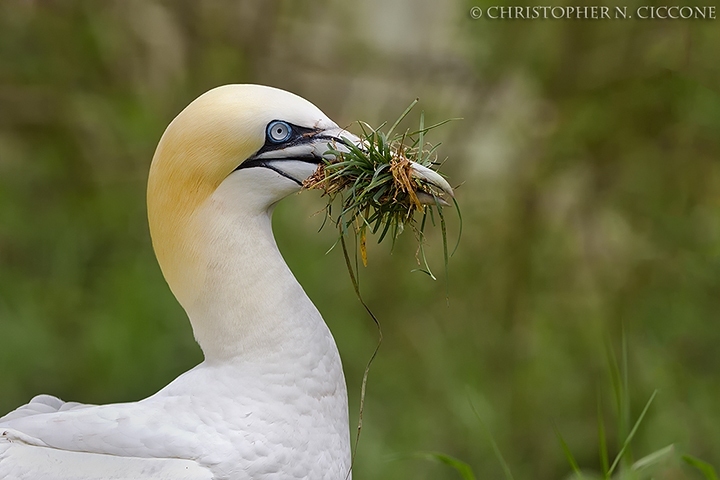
(248,301)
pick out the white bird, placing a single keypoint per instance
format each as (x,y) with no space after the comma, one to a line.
(269,400)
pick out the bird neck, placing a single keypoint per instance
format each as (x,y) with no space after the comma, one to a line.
(247,302)
(221,261)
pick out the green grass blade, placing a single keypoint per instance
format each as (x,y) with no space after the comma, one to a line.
(421,135)
(402,117)
(434,125)
(443,230)
(617,384)
(625,379)
(630,436)
(460,228)
(461,467)
(652,459)
(363,387)
(602,440)
(625,413)
(421,246)
(384,232)
(705,468)
(498,454)
(568,454)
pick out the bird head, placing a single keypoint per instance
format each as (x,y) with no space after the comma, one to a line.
(273,138)
(258,141)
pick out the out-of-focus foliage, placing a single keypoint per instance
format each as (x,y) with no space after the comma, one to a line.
(589,159)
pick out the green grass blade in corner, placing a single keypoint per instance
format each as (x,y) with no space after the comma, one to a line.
(568,454)
(461,467)
(630,436)
(626,380)
(493,443)
(602,439)
(705,468)
(615,378)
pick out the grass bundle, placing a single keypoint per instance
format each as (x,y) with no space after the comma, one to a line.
(381,184)
(379,189)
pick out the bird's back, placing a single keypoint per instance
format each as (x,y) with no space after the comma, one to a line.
(234,422)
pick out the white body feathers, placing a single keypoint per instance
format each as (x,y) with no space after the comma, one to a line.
(269,401)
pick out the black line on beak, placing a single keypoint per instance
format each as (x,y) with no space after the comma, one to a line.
(258,162)
(268,163)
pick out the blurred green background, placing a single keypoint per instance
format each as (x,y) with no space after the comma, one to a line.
(589,165)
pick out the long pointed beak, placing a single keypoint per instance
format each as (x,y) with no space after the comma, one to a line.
(335,138)
(435,180)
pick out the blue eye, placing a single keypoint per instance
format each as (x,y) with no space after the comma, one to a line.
(278,131)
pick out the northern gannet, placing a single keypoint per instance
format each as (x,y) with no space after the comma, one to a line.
(269,400)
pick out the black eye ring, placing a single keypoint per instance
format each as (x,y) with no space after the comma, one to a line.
(279,131)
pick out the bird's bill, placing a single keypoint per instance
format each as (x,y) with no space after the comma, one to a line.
(436,180)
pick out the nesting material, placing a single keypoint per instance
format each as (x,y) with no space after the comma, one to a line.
(387,183)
